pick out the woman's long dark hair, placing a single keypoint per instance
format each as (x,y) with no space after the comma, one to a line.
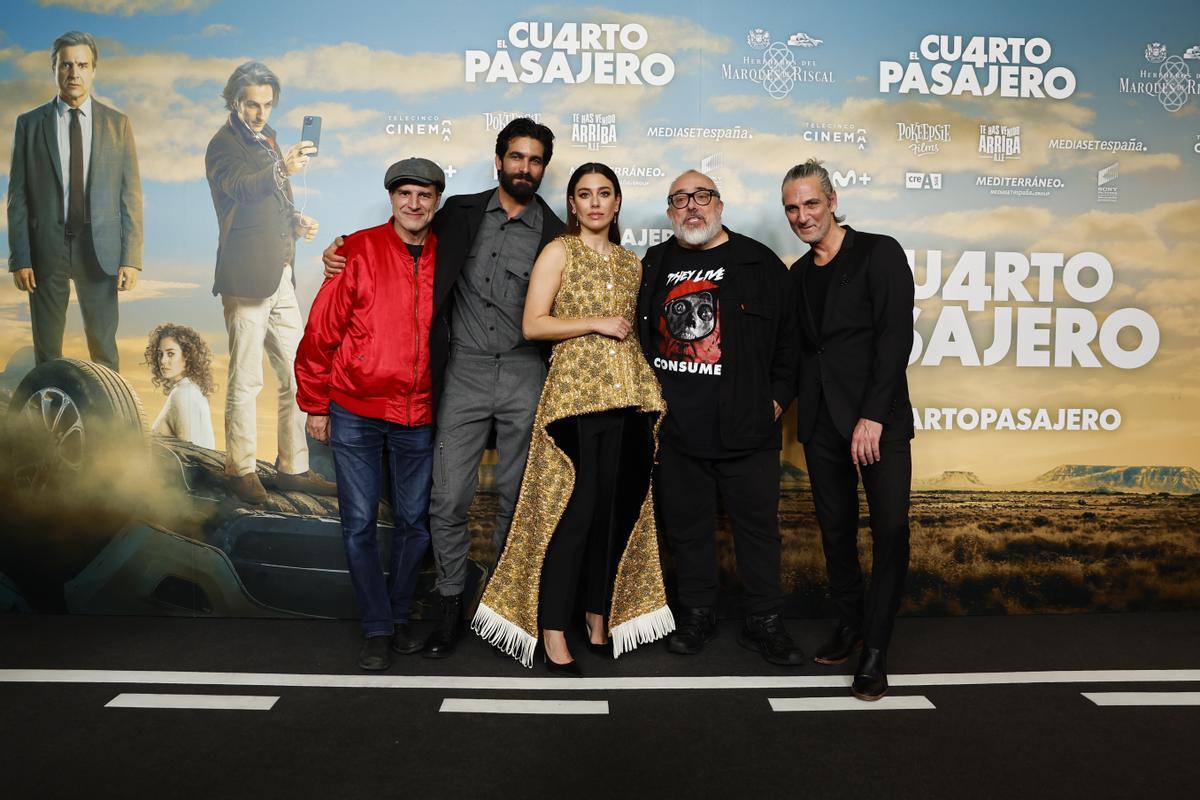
(614,229)
(197,358)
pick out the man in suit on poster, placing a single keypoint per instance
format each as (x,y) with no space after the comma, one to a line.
(74,207)
(854,300)
(248,176)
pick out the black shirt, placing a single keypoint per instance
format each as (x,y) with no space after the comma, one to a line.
(686,329)
(816,289)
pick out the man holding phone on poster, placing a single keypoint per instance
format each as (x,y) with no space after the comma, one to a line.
(259,225)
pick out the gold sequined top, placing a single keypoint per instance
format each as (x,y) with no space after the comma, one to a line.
(587,374)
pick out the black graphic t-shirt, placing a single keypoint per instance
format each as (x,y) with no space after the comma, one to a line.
(686,327)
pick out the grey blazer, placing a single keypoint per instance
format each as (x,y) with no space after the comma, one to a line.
(36,217)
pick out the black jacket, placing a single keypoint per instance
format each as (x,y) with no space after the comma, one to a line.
(859,357)
(254,212)
(758,340)
(456,224)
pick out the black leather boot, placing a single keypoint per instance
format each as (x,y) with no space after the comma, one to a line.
(404,642)
(841,643)
(870,679)
(445,636)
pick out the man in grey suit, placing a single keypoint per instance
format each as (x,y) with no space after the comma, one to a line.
(74,207)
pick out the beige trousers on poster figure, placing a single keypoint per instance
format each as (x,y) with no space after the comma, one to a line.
(273,325)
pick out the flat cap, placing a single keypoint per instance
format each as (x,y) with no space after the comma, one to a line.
(415,170)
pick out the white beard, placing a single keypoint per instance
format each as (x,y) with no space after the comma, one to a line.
(697,237)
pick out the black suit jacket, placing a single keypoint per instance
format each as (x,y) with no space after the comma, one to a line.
(859,357)
(456,224)
(254,214)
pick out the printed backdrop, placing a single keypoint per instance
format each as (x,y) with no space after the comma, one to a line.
(1039,163)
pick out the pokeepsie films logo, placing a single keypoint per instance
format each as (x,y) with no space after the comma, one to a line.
(602,53)
(980,66)
(1168,79)
(924,139)
(776,68)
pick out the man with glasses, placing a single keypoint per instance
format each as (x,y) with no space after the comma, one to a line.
(715,319)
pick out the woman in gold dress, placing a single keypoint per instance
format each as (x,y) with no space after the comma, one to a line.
(585,504)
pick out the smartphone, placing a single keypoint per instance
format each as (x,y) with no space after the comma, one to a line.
(311,132)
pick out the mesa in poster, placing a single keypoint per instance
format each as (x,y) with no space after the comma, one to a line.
(1040,176)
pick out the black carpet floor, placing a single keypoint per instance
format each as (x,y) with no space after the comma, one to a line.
(993,735)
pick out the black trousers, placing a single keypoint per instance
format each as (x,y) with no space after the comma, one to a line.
(97,294)
(887,483)
(583,540)
(687,506)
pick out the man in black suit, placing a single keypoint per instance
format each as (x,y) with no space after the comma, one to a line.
(854,293)
(486,375)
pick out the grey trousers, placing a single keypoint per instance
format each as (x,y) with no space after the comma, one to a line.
(482,390)
(96,291)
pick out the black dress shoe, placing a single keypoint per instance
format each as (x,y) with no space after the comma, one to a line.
(374,654)
(697,627)
(841,643)
(766,634)
(568,670)
(870,679)
(444,638)
(404,642)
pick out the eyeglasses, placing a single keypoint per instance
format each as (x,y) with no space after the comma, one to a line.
(702,197)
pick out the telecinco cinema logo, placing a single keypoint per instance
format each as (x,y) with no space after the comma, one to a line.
(1008,66)
(776,69)
(603,53)
(1169,80)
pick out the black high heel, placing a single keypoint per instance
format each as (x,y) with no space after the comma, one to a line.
(568,670)
(598,649)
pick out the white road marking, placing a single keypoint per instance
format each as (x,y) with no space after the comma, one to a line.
(485,683)
(1144,698)
(897,703)
(230,702)
(472,705)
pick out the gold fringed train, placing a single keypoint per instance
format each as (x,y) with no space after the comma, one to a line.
(587,374)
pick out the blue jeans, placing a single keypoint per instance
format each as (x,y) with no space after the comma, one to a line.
(358,445)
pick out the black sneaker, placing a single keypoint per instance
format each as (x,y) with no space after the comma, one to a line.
(374,655)
(445,636)
(404,642)
(766,634)
(697,627)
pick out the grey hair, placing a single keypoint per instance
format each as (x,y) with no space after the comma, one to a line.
(70,39)
(812,169)
(252,73)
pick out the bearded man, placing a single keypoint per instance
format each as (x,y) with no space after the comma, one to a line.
(493,376)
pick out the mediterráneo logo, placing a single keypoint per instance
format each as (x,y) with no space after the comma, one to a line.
(980,66)
(607,54)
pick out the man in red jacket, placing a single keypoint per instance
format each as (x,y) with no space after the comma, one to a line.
(364,378)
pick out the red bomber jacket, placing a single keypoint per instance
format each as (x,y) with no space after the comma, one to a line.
(366,345)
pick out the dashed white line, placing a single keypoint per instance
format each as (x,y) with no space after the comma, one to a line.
(471,705)
(206,702)
(892,703)
(1144,698)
